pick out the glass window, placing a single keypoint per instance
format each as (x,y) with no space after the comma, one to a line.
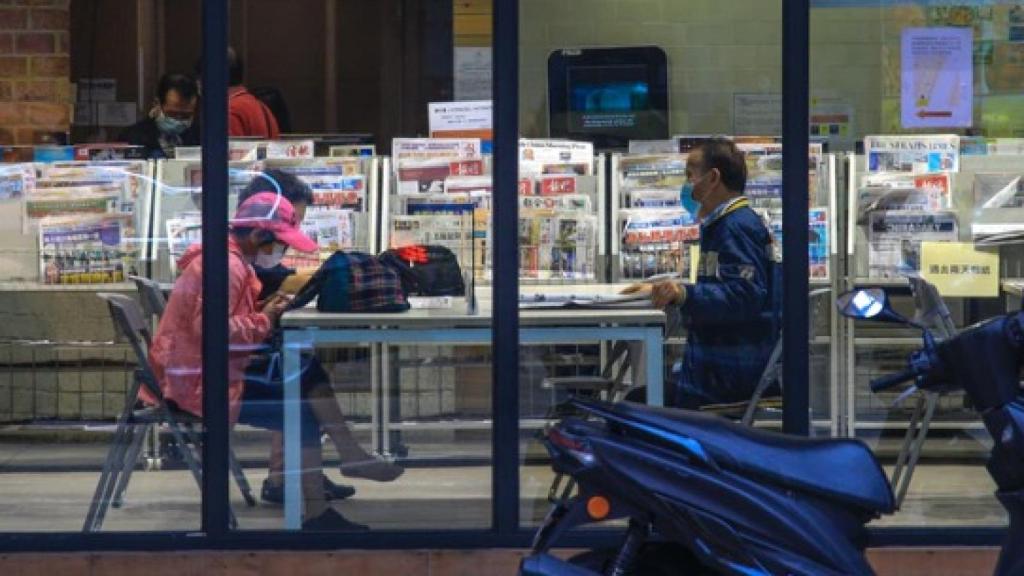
(887,81)
(87,444)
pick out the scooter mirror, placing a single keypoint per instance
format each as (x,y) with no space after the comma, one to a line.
(868,304)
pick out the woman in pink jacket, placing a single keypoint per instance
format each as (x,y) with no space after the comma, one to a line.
(264,224)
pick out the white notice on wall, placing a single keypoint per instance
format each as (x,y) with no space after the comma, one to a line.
(473,71)
(936,87)
(757,114)
(471,118)
(116,113)
(97,89)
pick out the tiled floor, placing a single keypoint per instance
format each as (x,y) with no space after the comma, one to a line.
(424,498)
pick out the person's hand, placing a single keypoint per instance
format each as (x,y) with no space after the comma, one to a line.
(668,293)
(275,306)
(641,289)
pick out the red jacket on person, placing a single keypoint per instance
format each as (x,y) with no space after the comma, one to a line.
(247,116)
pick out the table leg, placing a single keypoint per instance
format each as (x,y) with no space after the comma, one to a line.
(655,369)
(292,350)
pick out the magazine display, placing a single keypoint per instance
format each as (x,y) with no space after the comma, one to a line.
(655,223)
(905,197)
(538,157)
(895,236)
(75,250)
(183,232)
(443,195)
(15,180)
(421,165)
(999,208)
(557,247)
(655,241)
(331,229)
(818,247)
(915,154)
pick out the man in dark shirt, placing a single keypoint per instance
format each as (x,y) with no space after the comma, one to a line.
(171,122)
(729,312)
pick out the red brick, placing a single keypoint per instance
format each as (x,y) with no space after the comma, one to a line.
(37,135)
(12,66)
(6,136)
(6,91)
(11,113)
(37,91)
(51,66)
(49,113)
(48,19)
(55,3)
(6,43)
(63,42)
(35,43)
(13,19)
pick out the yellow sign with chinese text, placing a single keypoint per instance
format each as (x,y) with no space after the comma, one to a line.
(958,269)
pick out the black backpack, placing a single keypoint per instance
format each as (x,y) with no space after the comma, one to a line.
(426,270)
(273,99)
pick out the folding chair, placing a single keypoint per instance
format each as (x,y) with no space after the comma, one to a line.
(151,296)
(132,423)
(611,384)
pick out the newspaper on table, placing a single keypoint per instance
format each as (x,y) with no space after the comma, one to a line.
(919,153)
(555,157)
(541,300)
(895,237)
(77,250)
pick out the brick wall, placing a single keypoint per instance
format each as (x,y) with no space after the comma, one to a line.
(35,87)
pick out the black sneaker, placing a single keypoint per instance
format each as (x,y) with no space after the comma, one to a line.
(332,521)
(334,491)
(274,493)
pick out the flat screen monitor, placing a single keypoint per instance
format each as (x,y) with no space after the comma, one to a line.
(608,96)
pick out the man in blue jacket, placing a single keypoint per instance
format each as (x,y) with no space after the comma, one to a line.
(729,310)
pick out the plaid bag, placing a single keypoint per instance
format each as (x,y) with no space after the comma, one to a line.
(354,282)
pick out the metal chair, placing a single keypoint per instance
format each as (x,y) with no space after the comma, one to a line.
(133,423)
(151,296)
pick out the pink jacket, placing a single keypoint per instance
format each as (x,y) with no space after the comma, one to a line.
(176,354)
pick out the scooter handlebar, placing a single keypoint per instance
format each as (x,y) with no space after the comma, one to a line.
(886,382)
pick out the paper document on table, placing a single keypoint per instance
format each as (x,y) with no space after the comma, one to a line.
(541,300)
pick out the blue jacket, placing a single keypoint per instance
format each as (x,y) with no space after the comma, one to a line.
(731,311)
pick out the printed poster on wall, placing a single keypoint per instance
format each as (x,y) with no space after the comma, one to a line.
(937,77)
(756,114)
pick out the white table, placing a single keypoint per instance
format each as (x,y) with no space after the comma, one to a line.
(307,328)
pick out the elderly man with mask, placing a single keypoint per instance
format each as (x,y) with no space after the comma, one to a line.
(171,121)
(728,312)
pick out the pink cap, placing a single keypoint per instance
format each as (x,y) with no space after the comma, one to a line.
(272,211)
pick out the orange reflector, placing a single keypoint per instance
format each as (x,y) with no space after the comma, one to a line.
(598,507)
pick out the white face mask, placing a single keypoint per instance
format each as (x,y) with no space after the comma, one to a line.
(271,260)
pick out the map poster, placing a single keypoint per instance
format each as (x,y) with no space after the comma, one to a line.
(936,88)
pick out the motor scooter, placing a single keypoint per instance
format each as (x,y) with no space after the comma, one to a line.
(703,495)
